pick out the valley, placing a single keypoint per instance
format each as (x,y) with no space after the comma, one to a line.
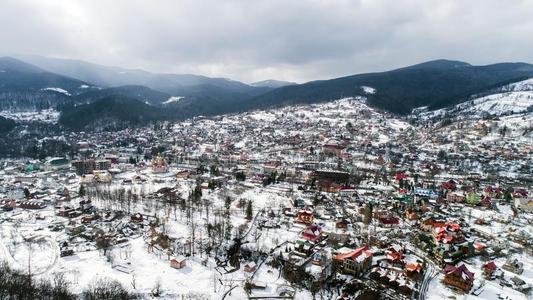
(330,200)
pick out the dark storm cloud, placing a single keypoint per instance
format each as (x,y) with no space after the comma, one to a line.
(255,40)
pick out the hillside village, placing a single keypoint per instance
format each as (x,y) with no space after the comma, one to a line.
(322,201)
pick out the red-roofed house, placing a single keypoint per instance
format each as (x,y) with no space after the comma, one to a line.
(448,233)
(490,191)
(400,176)
(455,197)
(353,262)
(489,268)
(411,214)
(305,217)
(389,221)
(394,256)
(413,269)
(312,233)
(449,185)
(459,277)
(430,223)
(478,246)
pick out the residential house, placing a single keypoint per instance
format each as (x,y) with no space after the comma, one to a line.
(159,165)
(458,277)
(57,163)
(304,217)
(353,262)
(524,204)
(513,265)
(312,233)
(488,269)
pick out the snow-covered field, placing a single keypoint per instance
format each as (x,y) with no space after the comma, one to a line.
(26,250)
(498,104)
(46,115)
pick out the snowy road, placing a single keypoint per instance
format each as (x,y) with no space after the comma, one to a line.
(430,274)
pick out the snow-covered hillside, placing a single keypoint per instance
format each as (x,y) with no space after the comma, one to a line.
(515,98)
(498,104)
(368,89)
(57,90)
(173,99)
(525,85)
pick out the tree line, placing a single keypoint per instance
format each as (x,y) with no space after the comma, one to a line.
(18,286)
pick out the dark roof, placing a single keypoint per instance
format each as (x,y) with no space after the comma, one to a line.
(462,269)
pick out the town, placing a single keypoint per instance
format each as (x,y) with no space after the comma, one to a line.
(335,200)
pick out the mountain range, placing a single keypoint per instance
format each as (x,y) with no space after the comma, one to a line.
(90,94)
(435,84)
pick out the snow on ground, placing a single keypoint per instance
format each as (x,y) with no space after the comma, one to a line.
(368,90)
(57,90)
(516,126)
(517,121)
(339,113)
(173,99)
(428,115)
(45,115)
(498,104)
(132,264)
(525,85)
(514,98)
(85,267)
(27,252)
(418,110)
(398,124)
(489,289)
(437,290)
(265,197)
(263,116)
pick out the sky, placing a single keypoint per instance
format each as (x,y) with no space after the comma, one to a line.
(253,40)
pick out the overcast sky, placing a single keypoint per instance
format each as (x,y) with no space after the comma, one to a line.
(256,40)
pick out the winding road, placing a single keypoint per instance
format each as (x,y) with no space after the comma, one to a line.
(430,274)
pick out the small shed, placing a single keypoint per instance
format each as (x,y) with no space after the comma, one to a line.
(250,267)
(178,262)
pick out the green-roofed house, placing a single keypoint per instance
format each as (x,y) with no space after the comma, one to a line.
(472,198)
(57,163)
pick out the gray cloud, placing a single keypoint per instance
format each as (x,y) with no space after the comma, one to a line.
(256,40)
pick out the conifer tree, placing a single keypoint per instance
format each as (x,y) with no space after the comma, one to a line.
(249,211)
